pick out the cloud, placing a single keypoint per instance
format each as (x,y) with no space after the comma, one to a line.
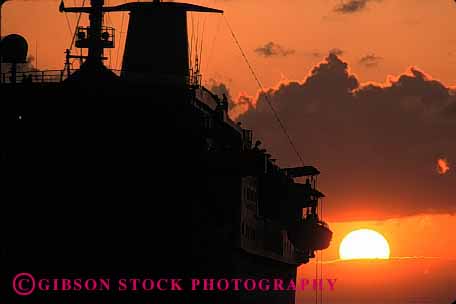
(318,54)
(443,166)
(352,6)
(219,89)
(314,54)
(336,51)
(236,106)
(375,143)
(450,111)
(271,49)
(370,60)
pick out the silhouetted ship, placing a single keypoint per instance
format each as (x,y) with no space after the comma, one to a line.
(141,172)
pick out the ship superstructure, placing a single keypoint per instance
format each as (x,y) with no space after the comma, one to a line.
(144,166)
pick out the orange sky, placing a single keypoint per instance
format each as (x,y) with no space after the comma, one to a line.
(420,235)
(421,269)
(402,33)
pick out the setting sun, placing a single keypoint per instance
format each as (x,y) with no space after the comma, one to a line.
(364,244)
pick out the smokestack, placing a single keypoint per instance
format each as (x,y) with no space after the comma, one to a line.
(156,48)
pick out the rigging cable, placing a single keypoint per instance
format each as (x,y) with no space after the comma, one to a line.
(109,22)
(321,254)
(319,262)
(290,140)
(191,41)
(76,28)
(211,50)
(120,39)
(196,45)
(77,25)
(316,260)
(201,44)
(266,97)
(68,24)
(316,278)
(108,16)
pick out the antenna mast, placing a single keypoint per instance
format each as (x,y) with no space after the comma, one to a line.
(93,38)
(94,34)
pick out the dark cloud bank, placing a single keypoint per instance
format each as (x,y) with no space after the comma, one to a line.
(377,145)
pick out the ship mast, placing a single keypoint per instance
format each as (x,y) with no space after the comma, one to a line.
(96,23)
(94,41)
(144,59)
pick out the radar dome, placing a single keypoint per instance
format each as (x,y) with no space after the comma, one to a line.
(14,49)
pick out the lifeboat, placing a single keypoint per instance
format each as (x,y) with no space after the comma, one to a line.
(310,235)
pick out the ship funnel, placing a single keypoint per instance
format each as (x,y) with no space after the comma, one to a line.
(156,48)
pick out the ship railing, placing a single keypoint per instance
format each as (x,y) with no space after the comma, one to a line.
(206,97)
(53,76)
(48,76)
(192,80)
